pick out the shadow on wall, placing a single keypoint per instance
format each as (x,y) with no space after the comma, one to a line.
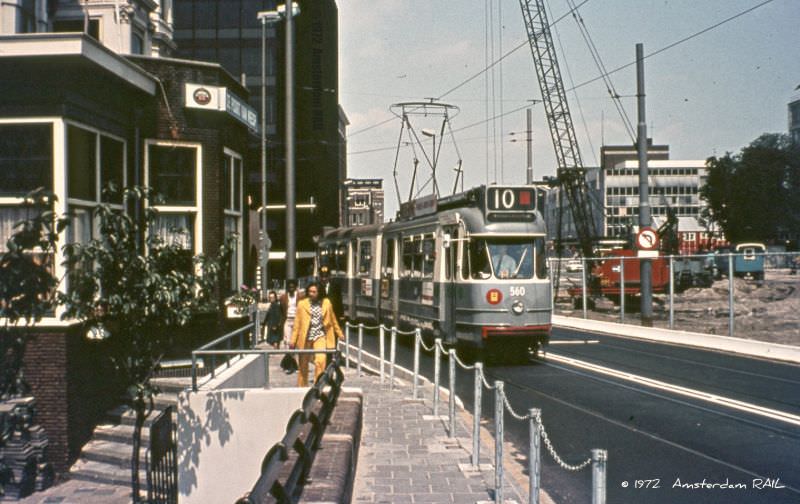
(196,432)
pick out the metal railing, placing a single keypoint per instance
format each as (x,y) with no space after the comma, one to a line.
(287,464)
(598,458)
(162,461)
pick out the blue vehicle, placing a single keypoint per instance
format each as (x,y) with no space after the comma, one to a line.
(748,260)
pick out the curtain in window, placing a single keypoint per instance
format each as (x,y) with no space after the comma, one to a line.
(175,229)
(9,217)
(80,226)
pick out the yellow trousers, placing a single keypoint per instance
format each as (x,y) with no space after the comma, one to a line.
(319,363)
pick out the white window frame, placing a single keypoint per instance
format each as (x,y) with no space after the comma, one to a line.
(232,155)
(197,209)
(89,205)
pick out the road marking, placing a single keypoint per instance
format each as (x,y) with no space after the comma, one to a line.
(573,342)
(754,409)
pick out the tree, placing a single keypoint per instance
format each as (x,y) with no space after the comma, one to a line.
(136,296)
(755,195)
(26,285)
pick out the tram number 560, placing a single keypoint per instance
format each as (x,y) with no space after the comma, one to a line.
(516,291)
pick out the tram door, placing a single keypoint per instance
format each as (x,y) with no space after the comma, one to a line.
(450,254)
(388,296)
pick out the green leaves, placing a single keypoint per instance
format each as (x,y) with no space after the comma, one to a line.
(755,195)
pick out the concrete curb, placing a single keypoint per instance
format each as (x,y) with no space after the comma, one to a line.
(761,349)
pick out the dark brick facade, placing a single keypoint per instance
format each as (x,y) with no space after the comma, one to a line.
(73,384)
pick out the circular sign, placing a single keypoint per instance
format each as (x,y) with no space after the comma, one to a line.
(647,239)
(494,296)
(202,96)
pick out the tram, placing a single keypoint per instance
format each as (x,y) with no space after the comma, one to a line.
(468,268)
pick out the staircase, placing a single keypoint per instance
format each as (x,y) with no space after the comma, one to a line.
(106,458)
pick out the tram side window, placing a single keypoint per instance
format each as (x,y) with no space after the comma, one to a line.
(388,266)
(413,257)
(365,258)
(428,256)
(341,259)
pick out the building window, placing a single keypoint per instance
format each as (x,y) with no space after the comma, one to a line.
(137,43)
(78,26)
(232,185)
(26,158)
(93,161)
(173,172)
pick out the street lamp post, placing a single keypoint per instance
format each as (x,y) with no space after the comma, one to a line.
(291,237)
(263,249)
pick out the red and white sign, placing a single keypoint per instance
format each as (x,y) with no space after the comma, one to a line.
(647,239)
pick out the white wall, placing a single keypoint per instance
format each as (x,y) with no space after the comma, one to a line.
(223,436)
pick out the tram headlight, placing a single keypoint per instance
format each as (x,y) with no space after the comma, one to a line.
(517,307)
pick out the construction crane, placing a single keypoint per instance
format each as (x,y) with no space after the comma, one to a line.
(571,173)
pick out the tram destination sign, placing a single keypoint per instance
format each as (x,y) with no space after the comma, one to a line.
(510,199)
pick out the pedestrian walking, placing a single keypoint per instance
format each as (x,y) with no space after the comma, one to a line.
(273,320)
(315,327)
(289,300)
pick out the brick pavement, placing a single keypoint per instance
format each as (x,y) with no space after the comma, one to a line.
(406,455)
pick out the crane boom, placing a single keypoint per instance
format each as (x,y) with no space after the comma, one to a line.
(571,173)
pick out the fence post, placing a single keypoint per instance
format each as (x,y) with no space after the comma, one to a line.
(194,372)
(417,341)
(360,345)
(381,335)
(583,284)
(622,289)
(392,356)
(599,459)
(499,409)
(730,295)
(476,418)
(266,366)
(534,456)
(347,345)
(256,326)
(436,369)
(671,291)
(451,398)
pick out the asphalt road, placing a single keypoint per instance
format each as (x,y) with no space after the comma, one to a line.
(666,443)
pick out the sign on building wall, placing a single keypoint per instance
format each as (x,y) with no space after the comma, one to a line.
(200,96)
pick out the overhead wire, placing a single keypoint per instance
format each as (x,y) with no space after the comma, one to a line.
(601,67)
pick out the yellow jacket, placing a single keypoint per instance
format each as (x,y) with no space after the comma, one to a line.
(302,322)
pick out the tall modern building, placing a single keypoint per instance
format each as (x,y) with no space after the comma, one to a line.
(228,32)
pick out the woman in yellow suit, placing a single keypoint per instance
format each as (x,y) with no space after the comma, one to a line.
(315,326)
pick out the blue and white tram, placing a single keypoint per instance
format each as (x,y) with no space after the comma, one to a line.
(468,268)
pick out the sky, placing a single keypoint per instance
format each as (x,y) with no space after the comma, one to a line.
(709,95)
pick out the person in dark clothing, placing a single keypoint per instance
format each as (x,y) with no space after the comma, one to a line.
(273,320)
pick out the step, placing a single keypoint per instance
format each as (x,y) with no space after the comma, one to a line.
(113,453)
(172,385)
(99,472)
(119,433)
(126,416)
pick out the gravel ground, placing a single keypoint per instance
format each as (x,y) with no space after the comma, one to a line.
(764,311)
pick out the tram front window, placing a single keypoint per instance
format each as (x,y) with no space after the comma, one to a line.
(505,259)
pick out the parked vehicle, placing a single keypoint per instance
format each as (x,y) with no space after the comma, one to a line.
(748,261)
